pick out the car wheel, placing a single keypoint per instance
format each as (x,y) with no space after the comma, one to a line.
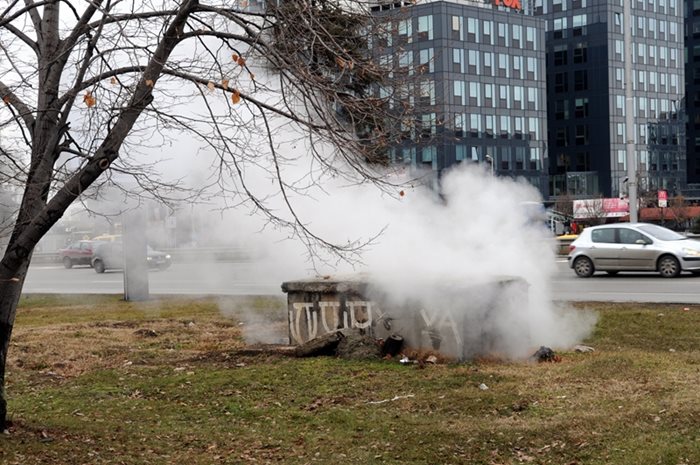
(669,267)
(98,266)
(583,266)
(67,262)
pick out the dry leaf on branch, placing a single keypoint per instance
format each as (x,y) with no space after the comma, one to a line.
(89,100)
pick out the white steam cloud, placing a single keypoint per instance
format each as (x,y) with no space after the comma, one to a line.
(441,253)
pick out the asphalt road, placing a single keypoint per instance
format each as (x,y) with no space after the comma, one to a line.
(240,278)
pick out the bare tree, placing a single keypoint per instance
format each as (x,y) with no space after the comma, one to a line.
(678,208)
(565,205)
(90,87)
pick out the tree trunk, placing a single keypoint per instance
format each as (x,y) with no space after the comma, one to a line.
(10,291)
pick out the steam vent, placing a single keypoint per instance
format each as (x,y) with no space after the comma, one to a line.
(459,321)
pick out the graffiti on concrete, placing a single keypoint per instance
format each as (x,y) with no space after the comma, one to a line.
(307,318)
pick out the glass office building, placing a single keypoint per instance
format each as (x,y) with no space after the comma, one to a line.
(586,94)
(692,89)
(475,72)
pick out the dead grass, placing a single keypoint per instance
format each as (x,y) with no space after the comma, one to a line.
(100,381)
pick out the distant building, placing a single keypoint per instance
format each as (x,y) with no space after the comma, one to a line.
(586,98)
(692,91)
(475,72)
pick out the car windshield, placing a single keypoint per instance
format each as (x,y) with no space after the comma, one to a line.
(661,233)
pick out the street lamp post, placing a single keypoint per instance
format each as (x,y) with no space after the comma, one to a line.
(489,159)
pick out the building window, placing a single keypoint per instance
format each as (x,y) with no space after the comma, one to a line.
(503,65)
(619,78)
(458,60)
(517,97)
(488,63)
(474,94)
(427,92)
(473,62)
(532,68)
(530,38)
(503,97)
(405,63)
(532,98)
(560,55)
(562,137)
(619,50)
(425,27)
(582,161)
(460,125)
(490,121)
(535,159)
(426,61)
(579,23)
(502,34)
(581,107)
(581,134)
(533,128)
(428,154)
(517,36)
(460,152)
(561,109)
(504,127)
(519,129)
(560,26)
(580,53)
(473,30)
(517,67)
(457,28)
(474,125)
(519,158)
(487,27)
(489,100)
(620,105)
(427,125)
(641,53)
(581,79)
(561,82)
(460,92)
(404,34)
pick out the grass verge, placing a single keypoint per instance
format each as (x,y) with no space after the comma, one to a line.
(95,380)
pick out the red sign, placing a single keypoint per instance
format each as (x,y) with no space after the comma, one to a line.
(663,199)
(514,4)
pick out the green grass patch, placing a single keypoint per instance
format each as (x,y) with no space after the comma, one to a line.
(101,381)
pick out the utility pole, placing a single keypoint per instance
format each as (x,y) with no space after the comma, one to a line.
(629,116)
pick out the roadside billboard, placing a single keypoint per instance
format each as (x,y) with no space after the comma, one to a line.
(601,208)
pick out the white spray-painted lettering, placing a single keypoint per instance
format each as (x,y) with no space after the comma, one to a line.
(441,319)
(357,314)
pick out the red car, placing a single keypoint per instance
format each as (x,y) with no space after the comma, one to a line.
(78,253)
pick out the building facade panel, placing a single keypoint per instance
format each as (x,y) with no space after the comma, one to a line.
(486,66)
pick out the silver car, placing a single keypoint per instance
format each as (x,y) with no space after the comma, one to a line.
(633,247)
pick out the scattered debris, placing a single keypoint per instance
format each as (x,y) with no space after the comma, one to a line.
(391,400)
(483,387)
(583,349)
(392,345)
(686,309)
(431,359)
(405,360)
(545,354)
(357,346)
(671,350)
(322,345)
(146,332)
